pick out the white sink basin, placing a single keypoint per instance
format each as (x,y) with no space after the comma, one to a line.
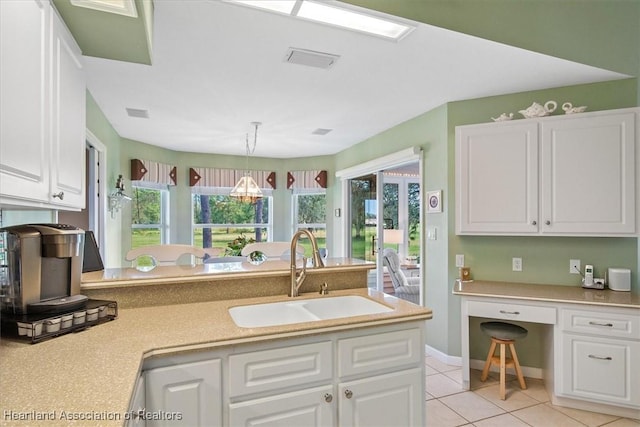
(298,311)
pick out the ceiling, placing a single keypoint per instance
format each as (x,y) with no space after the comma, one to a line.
(217,67)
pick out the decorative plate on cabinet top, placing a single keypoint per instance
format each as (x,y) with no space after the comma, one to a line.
(537,110)
(502,117)
(570,109)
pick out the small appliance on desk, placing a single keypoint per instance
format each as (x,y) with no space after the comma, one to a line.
(619,279)
(588,281)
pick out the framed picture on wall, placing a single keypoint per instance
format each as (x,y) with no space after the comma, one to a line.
(434,201)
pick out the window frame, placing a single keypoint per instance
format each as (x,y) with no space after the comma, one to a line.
(295,225)
(165,224)
(224,191)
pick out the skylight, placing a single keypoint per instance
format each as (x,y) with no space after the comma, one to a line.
(352,20)
(335,14)
(121,7)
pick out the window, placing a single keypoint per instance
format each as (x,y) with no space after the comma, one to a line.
(149,215)
(310,212)
(218,219)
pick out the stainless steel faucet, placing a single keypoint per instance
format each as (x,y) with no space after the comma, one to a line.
(297,280)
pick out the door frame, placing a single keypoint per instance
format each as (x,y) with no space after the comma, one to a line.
(375,166)
(97,207)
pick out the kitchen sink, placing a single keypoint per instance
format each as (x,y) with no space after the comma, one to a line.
(298,311)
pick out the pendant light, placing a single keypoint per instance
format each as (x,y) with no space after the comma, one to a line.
(246,189)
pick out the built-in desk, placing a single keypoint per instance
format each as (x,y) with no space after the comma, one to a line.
(592,348)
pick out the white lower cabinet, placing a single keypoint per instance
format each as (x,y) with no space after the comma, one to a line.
(394,399)
(600,369)
(362,377)
(599,357)
(187,394)
(304,408)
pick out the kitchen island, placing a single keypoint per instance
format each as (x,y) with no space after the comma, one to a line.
(88,378)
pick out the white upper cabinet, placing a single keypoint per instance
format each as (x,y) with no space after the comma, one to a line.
(68,93)
(24,138)
(564,175)
(588,175)
(42,145)
(497,178)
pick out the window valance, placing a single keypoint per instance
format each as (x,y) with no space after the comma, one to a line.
(153,172)
(307,179)
(214,177)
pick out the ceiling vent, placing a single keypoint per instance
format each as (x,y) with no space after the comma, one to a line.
(311,58)
(321,131)
(136,112)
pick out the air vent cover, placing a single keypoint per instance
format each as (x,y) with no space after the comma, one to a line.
(136,112)
(311,58)
(321,131)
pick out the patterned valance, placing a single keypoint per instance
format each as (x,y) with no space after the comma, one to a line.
(214,177)
(149,171)
(307,179)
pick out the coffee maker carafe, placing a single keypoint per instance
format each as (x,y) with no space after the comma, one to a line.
(43,268)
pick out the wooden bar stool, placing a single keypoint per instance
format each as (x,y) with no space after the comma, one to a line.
(504,334)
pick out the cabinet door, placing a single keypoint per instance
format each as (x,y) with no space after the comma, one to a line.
(189,394)
(24,138)
(67,118)
(395,399)
(497,179)
(600,369)
(305,408)
(588,175)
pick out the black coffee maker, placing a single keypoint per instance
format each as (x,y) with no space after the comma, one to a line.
(43,268)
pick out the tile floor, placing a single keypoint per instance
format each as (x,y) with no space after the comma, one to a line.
(448,405)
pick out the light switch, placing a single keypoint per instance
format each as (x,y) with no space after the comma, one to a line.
(432,233)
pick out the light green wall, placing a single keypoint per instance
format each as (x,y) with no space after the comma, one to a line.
(98,124)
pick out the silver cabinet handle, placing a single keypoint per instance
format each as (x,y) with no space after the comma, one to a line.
(608,325)
(593,356)
(348,394)
(328,397)
(509,312)
(547,222)
(59,195)
(534,222)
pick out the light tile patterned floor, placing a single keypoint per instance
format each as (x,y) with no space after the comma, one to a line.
(449,406)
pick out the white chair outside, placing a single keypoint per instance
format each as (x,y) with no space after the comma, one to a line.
(406,288)
(166,254)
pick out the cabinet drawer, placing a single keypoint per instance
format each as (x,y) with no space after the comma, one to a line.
(275,369)
(524,313)
(600,323)
(600,369)
(371,353)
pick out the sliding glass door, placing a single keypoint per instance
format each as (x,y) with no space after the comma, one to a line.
(385,213)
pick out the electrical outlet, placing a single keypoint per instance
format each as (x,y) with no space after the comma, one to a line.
(459,260)
(516,264)
(574,266)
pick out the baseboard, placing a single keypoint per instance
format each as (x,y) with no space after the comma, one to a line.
(443,357)
(527,371)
